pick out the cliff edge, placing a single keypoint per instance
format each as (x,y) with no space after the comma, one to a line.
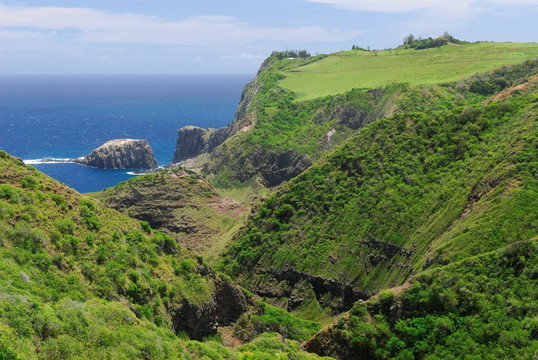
(193,140)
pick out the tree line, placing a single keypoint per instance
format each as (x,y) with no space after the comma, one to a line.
(291,54)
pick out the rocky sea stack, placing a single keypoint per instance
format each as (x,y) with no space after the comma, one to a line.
(121,154)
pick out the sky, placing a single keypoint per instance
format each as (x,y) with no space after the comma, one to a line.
(232,36)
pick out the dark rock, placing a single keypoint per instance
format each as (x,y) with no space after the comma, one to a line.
(231,302)
(389,250)
(280,167)
(329,292)
(224,307)
(351,117)
(198,321)
(193,141)
(121,154)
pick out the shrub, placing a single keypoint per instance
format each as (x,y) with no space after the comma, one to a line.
(29,182)
(164,243)
(58,199)
(145,227)
(65,226)
(90,218)
(87,203)
(134,236)
(10,193)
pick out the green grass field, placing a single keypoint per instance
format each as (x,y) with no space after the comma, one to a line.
(346,70)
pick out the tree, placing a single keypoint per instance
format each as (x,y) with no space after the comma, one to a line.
(409,39)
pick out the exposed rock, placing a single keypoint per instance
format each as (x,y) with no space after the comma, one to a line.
(273,167)
(280,167)
(388,249)
(331,293)
(193,141)
(197,321)
(225,306)
(121,154)
(231,302)
(351,117)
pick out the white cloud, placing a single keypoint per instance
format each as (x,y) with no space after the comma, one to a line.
(452,8)
(394,5)
(104,27)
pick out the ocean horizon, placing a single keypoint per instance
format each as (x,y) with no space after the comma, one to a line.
(67,116)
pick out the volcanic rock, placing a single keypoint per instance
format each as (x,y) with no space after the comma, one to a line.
(121,154)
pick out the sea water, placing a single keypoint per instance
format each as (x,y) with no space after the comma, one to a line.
(67,116)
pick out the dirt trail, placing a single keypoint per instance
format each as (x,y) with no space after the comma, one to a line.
(508,92)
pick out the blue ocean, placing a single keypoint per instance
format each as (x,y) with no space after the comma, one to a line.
(67,116)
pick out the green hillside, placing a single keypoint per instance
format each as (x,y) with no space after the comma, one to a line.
(81,281)
(180,203)
(343,71)
(424,187)
(338,95)
(481,307)
(398,198)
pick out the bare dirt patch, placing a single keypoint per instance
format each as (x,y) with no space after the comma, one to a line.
(228,207)
(508,92)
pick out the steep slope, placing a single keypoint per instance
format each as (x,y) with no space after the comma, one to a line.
(432,184)
(483,306)
(79,280)
(296,110)
(180,203)
(280,138)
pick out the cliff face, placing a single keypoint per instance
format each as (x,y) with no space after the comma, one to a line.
(121,154)
(193,141)
(224,307)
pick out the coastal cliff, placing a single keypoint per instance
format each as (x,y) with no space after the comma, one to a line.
(193,141)
(121,154)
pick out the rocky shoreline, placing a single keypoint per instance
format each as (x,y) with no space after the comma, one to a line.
(114,154)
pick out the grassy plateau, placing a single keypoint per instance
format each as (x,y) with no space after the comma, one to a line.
(343,71)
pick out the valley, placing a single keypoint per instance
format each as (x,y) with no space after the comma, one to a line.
(361,205)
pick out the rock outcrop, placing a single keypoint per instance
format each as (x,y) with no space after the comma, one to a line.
(193,141)
(225,306)
(121,154)
(296,285)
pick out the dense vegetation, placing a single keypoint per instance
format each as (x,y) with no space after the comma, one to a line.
(291,54)
(482,307)
(432,184)
(419,43)
(79,280)
(424,181)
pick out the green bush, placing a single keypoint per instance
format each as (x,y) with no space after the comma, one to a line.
(145,227)
(10,193)
(88,215)
(65,226)
(29,182)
